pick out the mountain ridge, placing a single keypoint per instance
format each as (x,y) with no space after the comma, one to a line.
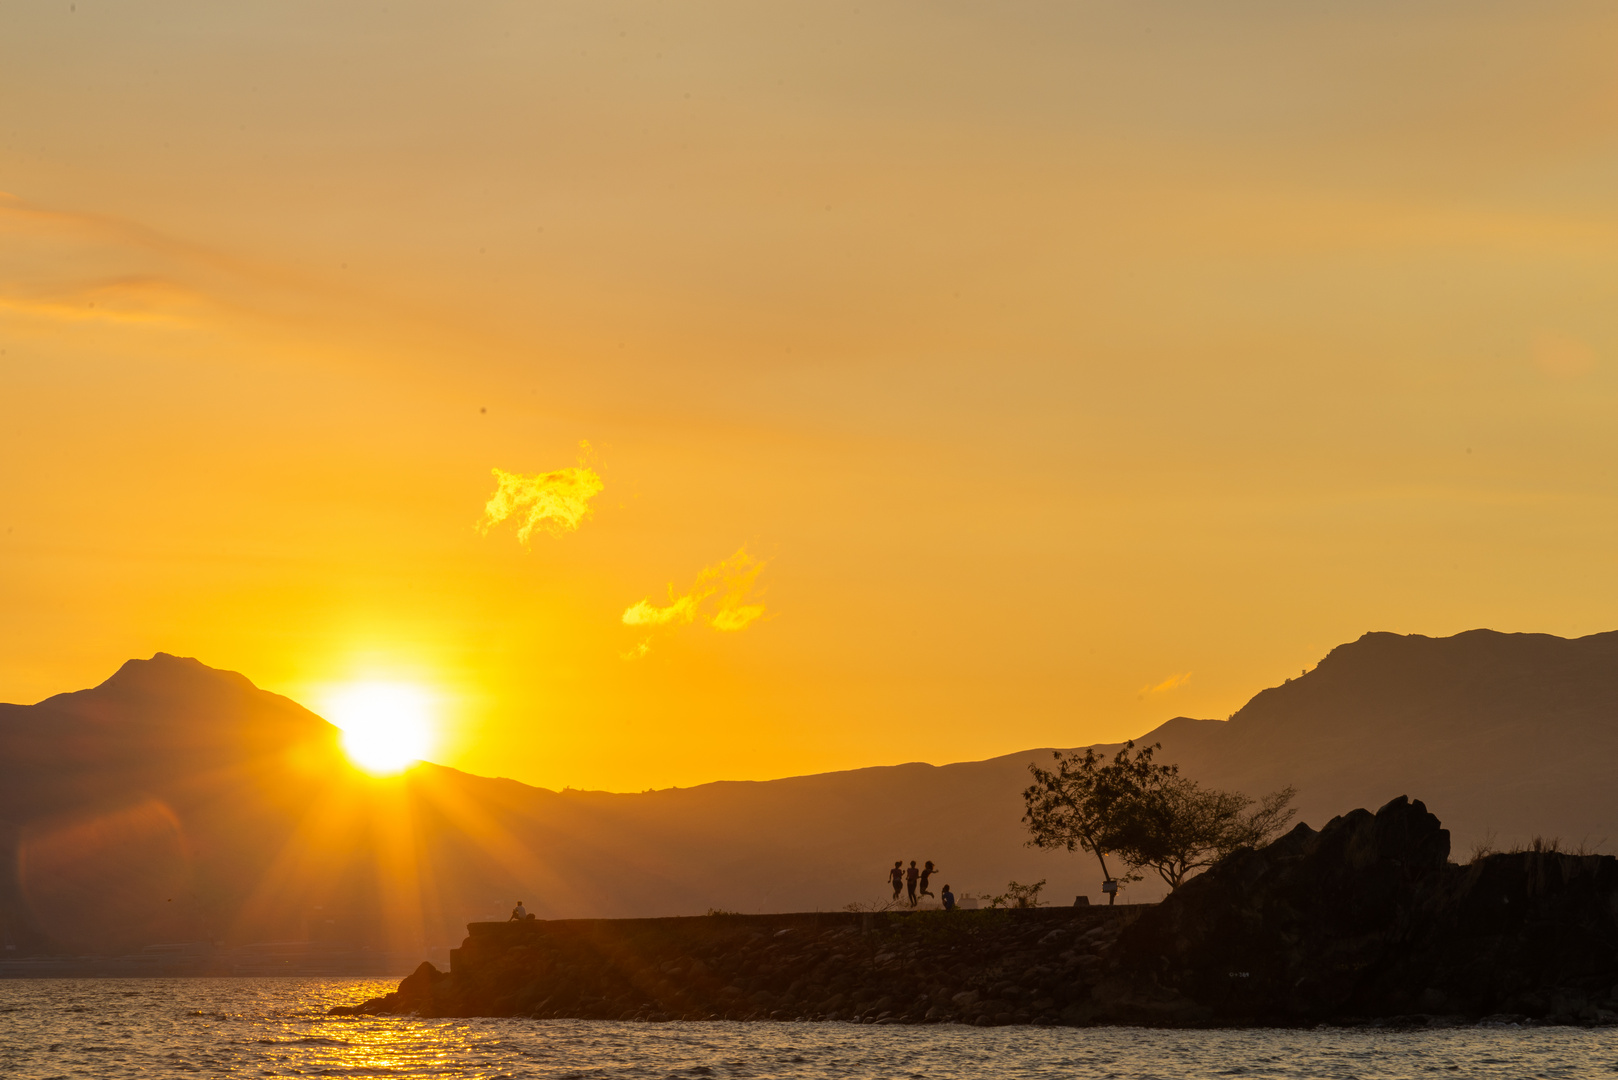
(173,778)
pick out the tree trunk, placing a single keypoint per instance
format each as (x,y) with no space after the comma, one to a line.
(1112,897)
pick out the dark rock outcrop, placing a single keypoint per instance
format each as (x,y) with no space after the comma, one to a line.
(1363,921)
(1367,918)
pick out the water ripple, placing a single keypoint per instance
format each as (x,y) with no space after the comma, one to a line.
(117,1028)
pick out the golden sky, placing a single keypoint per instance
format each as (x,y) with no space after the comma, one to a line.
(956,378)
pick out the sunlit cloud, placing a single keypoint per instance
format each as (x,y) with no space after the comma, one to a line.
(735,617)
(553,502)
(1170,683)
(720,597)
(645,613)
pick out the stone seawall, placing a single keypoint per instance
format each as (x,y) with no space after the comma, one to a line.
(1365,921)
(983,967)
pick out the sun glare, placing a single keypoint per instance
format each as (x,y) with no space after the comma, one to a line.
(386,726)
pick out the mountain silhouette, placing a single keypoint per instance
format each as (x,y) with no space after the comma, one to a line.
(176,802)
(1505,736)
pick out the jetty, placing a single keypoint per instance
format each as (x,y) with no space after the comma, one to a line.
(1364,922)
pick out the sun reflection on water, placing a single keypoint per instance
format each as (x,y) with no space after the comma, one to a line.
(140,1028)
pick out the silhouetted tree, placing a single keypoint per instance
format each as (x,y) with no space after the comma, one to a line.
(1085,803)
(1144,814)
(1176,827)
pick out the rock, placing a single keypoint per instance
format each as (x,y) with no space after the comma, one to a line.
(1503,1020)
(419,983)
(1367,917)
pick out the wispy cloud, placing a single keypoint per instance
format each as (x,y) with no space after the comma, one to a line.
(127,300)
(59,266)
(553,502)
(720,597)
(63,267)
(1170,683)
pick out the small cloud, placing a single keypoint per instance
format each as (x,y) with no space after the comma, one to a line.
(639,651)
(1170,683)
(554,502)
(645,613)
(728,584)
(1563,356)
(736,617)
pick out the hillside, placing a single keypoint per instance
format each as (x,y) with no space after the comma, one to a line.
(176,802)
(1505,735)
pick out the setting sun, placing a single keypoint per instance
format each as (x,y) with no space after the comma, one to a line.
(386,726)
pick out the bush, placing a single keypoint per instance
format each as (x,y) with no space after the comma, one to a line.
(1018,896)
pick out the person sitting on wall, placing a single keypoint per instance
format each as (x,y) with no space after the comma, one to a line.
(949,899)
(518,913)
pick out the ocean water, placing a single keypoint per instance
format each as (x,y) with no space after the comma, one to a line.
(278,1027)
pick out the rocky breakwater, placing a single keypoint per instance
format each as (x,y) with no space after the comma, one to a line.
(1368,920)
(981,967)
(1365,921)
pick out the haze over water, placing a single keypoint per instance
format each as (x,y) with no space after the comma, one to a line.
(111,1028)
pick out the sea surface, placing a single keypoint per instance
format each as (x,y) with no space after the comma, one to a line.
(278,1027)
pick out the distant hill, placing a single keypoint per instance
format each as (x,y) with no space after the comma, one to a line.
(176,802)
(1502,735)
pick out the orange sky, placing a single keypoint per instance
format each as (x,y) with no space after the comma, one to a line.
(1067,367)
